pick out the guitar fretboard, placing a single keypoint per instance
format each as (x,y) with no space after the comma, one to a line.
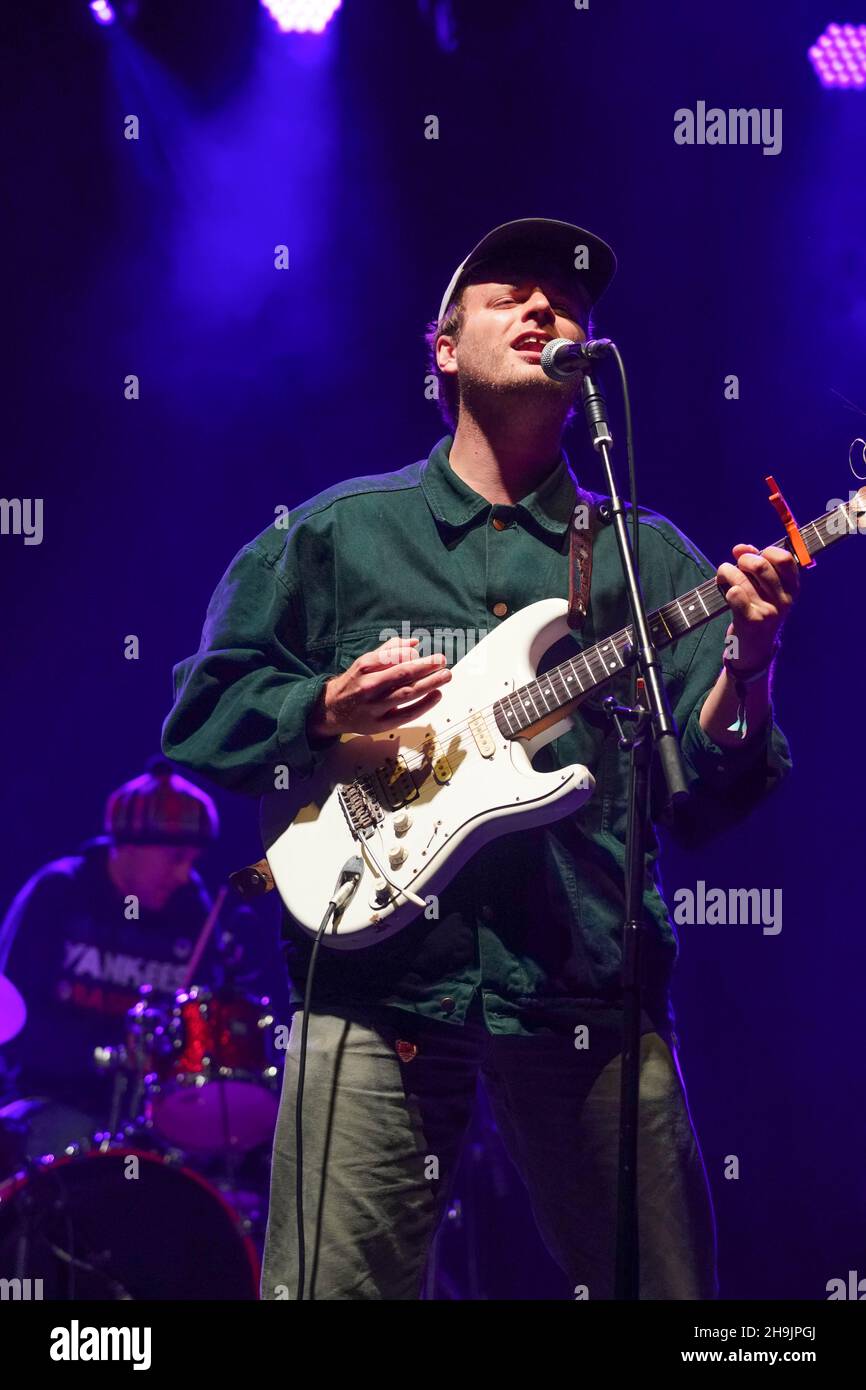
(577,677)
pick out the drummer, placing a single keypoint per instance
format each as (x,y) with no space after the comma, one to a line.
(85,932)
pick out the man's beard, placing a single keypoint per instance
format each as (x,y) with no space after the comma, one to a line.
(485,397)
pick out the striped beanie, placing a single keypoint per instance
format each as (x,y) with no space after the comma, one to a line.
(160,808)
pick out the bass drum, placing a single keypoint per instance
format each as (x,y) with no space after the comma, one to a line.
(124,1224)
(37,1125)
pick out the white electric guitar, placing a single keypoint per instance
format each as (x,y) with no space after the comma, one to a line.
(415,803)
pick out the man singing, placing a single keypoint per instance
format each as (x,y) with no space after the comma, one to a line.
(525,954)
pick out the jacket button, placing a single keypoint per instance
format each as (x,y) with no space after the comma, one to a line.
(499,524)
(500,609)
(448,1004)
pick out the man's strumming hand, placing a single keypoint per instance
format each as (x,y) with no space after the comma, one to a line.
(364,699)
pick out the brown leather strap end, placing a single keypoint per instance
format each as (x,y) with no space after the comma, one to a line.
(254,880)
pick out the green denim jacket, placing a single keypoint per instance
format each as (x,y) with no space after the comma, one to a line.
(534,921)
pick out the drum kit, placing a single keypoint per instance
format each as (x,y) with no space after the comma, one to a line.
(168,1200)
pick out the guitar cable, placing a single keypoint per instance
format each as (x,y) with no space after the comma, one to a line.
(347,883)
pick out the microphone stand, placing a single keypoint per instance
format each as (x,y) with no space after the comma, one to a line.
(653,726)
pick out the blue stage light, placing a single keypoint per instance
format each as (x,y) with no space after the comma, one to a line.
(302,16)
(839,56)
(102,12)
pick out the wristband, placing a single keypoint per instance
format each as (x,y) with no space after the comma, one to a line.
(742,680)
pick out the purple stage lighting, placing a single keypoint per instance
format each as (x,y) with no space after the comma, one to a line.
(102,12)
(302,16)
(839,56)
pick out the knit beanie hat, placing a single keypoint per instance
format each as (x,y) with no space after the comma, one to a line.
(160,808)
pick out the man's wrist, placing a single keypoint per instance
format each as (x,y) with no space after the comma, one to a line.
(317,720)
(752,676)
(746,672)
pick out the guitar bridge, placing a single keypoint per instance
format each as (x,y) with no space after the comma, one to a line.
(386,789)
(360,807)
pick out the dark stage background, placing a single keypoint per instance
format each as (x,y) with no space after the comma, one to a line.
(260,387)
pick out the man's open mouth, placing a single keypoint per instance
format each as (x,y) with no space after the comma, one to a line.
(530,344)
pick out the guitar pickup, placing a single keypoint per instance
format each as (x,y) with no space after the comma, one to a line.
(442,769)
(481,733)
(396,783)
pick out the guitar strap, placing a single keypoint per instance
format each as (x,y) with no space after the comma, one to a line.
(582,528)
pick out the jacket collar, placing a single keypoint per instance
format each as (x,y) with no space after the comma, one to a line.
(454,503)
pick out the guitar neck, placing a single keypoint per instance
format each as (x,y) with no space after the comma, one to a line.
(572,680)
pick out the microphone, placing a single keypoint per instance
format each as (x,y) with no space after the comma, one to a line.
(561,359)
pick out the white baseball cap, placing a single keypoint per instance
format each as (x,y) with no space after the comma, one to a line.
(543,234)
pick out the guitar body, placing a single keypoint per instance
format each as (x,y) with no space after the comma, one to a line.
(416,803)
(419,801)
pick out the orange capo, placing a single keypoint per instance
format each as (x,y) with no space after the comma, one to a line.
(792,530)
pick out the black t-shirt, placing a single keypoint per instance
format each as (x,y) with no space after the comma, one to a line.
(78,960)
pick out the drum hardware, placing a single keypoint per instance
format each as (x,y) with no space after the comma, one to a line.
(199,1072)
